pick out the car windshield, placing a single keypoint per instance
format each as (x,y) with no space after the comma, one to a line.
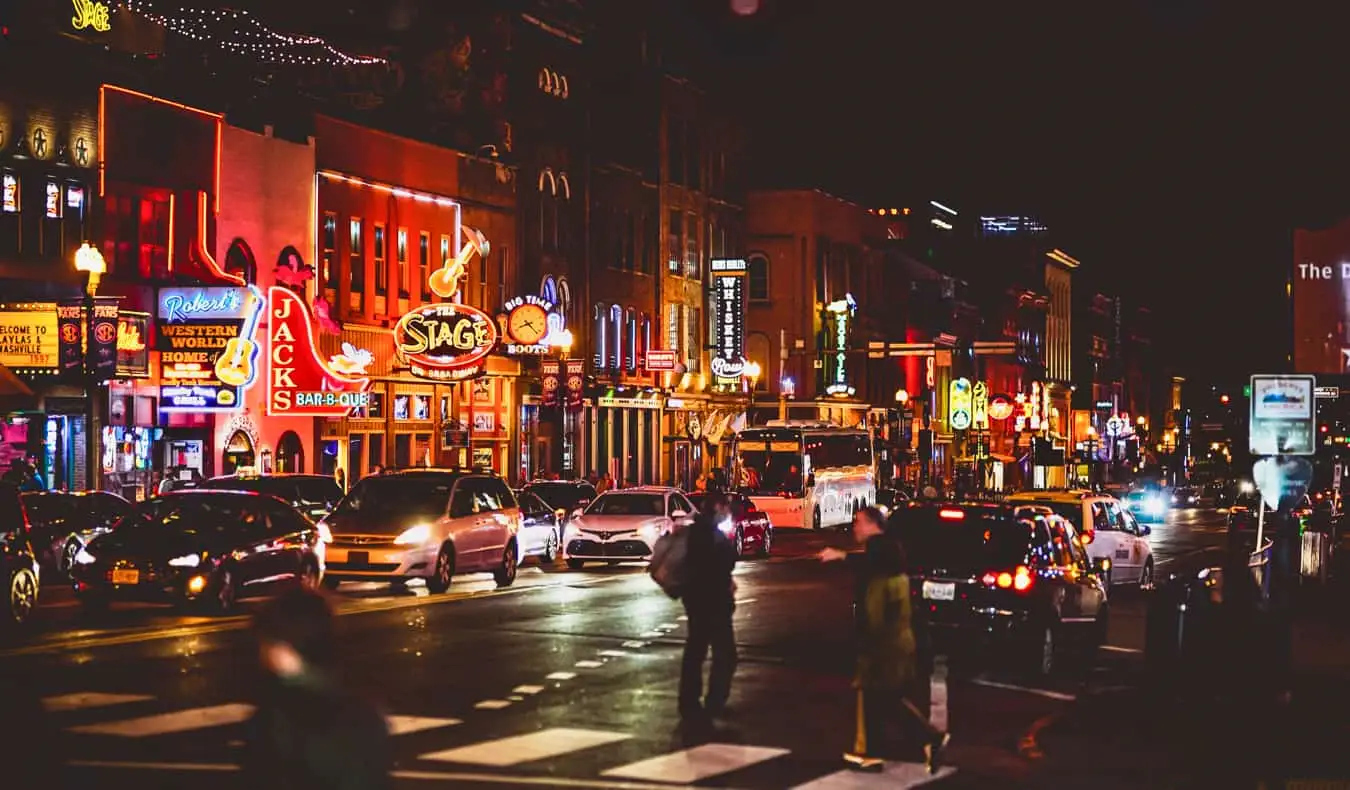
(628,505)
(194,515)
(264,485)
(1073,511)
(972,543)
(564,496)
(377,499)
(46,508)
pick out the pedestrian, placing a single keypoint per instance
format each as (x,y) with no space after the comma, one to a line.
(888,662)
(308,730)
(709,596)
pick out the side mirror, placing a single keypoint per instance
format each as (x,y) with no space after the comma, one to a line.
(678,514)
(1145,530)
(811,480)
(576,512)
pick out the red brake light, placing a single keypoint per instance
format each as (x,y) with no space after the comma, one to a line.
(1022,579)
(951,514)
(989,579)
(1005,580)
(1087,536)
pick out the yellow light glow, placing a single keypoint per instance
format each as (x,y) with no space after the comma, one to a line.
(196,584)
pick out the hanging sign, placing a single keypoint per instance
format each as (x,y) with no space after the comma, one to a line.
(1000,407)
(550,375)
(133,348)
(661,360)
(728,363)
(842,313)
(29,339)
(959,404)
(299,382)
(980,406)
(445,342)
(207,351)
(526,324)
(576,382)
(103,345)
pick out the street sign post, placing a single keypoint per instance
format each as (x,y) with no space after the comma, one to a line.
(1282,416)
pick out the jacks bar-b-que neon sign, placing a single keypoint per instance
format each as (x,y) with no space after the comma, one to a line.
(299,383)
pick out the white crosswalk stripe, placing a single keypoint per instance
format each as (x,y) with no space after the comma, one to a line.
(518,749)
(895,776)
(89,699)
(165,723)
(700,762)
(402,725)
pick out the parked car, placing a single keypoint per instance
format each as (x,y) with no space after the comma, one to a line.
(63,523)
(20,571)
(566,497)
(985,573)
(748,527)
(313,495)
(624,524)
(1109,531)
(428,524)
(540,528)
(891,499)
(1185,497)
(200,547)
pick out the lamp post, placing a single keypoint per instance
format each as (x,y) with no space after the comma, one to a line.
(89,260)
(563,341)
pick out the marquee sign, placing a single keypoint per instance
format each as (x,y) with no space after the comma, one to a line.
(299,383)
(728,362)
(445,342)
(205,339)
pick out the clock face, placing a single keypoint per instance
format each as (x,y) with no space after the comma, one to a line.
(528,324)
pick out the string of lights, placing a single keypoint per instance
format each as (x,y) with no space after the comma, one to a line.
(241,33)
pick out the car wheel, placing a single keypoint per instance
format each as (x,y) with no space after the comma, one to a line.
(766,542)
(506,574)
(815,519)
(445,570)
(227,595)
(576,565)
(23,596)
(67,560)
(309,576)
(740,543)
(550,554)
(1146,575)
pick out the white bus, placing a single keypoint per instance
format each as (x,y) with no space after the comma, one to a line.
(806,474)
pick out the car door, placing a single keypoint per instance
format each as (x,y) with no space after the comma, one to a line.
(462,523)
(293,536)
(676,504)
(1106,536)
(1128,555)
(1050,557)
(506,516)
(488,532)
(258,555)
(536,522)
(1090,591)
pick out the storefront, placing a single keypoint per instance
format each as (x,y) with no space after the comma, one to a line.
(624,428)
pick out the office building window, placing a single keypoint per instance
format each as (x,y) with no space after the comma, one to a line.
(692,269)
(758,279)
(673,328)
(355,265)
(631,330)
(401,255)
(674,245)
(328,255)
(381,263)
(615,337)
(599,326)
(693,346)
(424,264)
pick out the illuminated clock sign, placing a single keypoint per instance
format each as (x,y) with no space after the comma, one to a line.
(528,324)
(299,382)
(445,342)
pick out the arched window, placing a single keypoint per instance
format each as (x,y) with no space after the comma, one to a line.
(565,186)
(631,352)
(644,340)
(546,179)
(548,289)
(239,261)
(758,285)
(600,324)
(290,261)
(616,337)
(290,453)
(564,302)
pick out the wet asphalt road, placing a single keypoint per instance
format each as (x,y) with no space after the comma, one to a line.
(565,679)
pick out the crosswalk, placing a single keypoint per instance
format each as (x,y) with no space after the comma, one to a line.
(608,755)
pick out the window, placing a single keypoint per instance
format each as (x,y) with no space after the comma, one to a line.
(356,268)
(691,251)
(401,252)
(674,247)
(424,264)
(600,321)
(615,336)
(53,200)
(644,340)
(9,201)
(758,279)
(564,302)
(631,352)
(381,263)
(673,327)
(328,254)
(675,133)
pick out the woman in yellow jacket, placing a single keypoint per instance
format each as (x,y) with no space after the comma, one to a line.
(888,660)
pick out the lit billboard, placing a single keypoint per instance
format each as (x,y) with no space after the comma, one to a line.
(1320,283)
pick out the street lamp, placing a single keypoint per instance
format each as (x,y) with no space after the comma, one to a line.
(752,371)
(563,342)
(901,396)
(89,260)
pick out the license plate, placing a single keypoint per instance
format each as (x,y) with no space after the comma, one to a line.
(939,591)
(358,558)
(126,576)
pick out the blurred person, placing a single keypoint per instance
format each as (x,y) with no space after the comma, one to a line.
(308,731)
(709,596)
(887,674)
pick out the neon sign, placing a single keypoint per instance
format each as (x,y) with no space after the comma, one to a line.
(91,15)
(959,402)
(202,304)
(299,383)
(528,325)
(207,349)
(445,342)
(842,311)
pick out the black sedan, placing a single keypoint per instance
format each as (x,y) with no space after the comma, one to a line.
(567,497)
(982,573)
(19,570)
(63,523)
(313,495)
(205,547)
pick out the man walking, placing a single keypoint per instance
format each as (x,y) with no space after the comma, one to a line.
(709,596)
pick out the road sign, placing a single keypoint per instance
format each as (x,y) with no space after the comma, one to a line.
(1282,415)
(1282,481)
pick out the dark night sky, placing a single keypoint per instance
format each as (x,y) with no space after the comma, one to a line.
(1171,146)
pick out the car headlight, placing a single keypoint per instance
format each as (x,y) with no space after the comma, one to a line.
(1154,505)
(325,534)
(727,526)
(414,536)
(83,557)
(186,561)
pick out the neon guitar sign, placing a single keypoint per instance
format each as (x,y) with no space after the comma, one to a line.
(237,365)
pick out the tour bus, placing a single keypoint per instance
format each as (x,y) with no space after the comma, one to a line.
(806,474)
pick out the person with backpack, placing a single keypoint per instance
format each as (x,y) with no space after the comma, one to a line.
(888,658)
(709,596)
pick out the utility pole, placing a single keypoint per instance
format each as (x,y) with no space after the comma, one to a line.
(782,373)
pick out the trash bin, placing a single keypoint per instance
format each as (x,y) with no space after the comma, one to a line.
(1315,558)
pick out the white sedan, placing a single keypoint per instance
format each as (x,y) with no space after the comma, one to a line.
(624,525)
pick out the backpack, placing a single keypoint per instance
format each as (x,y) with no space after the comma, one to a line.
(668,561)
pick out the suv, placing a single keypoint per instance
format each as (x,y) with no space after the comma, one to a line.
(1109,530)
(313,495)
(19,571)
(982,571)
(424,524)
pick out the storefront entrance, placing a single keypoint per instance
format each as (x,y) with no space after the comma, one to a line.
(290,453)
(239,453)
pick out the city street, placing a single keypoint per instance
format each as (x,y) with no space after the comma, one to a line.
(565,679)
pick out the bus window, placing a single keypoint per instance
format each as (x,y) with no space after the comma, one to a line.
(771,472)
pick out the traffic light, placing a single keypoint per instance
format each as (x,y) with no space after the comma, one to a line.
(1223,399)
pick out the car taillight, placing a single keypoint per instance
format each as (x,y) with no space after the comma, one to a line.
(1087,537)
(1019,579)
(1238,509)
(951,514)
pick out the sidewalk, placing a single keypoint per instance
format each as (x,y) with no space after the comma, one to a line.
(1160,736)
